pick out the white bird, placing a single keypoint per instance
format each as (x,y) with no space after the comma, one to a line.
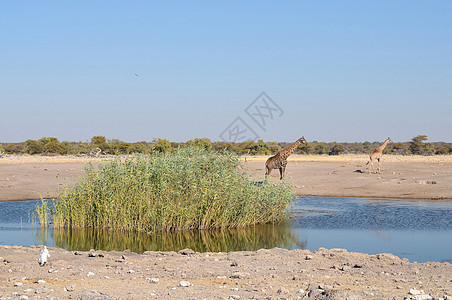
(44,256)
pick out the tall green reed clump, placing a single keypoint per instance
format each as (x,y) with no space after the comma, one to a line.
(42,213)
(188,189)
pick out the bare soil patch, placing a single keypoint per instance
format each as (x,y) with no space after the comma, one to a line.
(263,274)
(404,177)
(411,177)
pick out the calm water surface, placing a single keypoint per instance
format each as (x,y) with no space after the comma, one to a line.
(418,230)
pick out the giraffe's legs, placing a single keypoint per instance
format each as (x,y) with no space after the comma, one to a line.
(282,170)
(379,164)
(267,173)
(371,166)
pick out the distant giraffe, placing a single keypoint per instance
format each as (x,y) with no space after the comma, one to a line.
(279,160)
(376,155)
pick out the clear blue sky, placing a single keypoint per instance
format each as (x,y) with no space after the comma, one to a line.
(138,70)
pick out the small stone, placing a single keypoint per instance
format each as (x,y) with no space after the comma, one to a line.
(18,284)
(345,268)
(239,275)
(40,281)
(186,251)
(185,283)
(131,271)
(90,274)
(423,297)
(308,257)
(154,280)
(233,297)
(416,292)
(69,287)
(23,297)
(41,290)
(234,264)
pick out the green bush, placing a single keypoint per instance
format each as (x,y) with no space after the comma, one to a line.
(33,147)
(161,145)
(203,143)
(188,189)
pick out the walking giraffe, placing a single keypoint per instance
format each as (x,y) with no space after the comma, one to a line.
(376,155)
(279,160)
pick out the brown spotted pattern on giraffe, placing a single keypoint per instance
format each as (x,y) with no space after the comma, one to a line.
(279,160)
(376,155)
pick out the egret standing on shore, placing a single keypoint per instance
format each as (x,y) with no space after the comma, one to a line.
(44,256)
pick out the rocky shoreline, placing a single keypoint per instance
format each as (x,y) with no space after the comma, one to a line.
(263,274)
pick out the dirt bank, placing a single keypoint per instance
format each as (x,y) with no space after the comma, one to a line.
(413,177)
(263,274)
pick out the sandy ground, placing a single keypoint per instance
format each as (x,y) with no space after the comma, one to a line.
(262,274)
(408,177)
(404,177)
(33,177)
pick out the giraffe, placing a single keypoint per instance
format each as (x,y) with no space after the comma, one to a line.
(376,155)
(279,160)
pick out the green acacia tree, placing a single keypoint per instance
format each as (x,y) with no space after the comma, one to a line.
(417,146)
(51,145)
(321,148)
(33,147)
(203,143)
(161,145)
(336,149)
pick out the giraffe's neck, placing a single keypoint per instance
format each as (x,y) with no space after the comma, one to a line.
(289,150)
(383,146)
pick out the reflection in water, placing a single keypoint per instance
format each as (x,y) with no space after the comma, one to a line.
(221,240)
(417,230)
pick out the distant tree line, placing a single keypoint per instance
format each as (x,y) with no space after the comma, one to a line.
(99,145)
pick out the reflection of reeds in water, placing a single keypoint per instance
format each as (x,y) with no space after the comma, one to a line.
(219,240)
(40,235)
(190,189)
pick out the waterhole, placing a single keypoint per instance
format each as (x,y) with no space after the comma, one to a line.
(418,230)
